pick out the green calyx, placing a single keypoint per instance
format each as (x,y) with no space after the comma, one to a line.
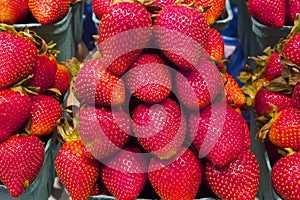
(66,132)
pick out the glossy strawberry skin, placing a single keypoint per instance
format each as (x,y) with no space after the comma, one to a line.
(273,66)
(100,6)
(178,178)
(285,131)
(296,96)
(292,49)
(62,79)
(15,111)
(18,57)
(46,111)
(269,13)
(237,180)
(13,12)
(285,177)
(215,45)
(77,169)
(25,152)
(292,8)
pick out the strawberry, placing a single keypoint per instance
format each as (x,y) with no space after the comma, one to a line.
(285,130)
(215,45)
(44,72)
(46,111)
(285,177)
(76,168)
(149,79)
(96,85)
(264,98)
(61,79)
(18,57)
(175,27)
(200,87)
(269,13)
(48,11)
(296,96)
(99,7)
(178,178)
(15,109)
(237,180)
(122,17)
(124,174)
(103,130)
(291,50)
(233,93)
(161,128)
(218,133)
(13,12)
(22,158)
(292,7)
(273,66)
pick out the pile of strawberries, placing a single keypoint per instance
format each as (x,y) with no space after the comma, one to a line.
(273,91)
(29,11)
(157,118)
(29,77)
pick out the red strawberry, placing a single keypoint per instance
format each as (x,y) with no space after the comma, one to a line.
(160,128)
(273,66)
(13,12)
(285,130)
(215,45)
(48,11)
(76,168)
(61,79)
(178,26)
(291,10)
(292,49)
(264,97)
(21,160)
(199,87)
(15,109)
(18,56)
(149,79)
(124,174)
(44,72)
(98,86)
(296,96)
(119,49)
(286,177)
(46,111)
(100,7)
(237,180)
(103,130)
(178,178)
(269,13)
(218,133)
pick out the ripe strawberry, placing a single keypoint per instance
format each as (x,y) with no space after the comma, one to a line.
(15,109)
(121,50)
(22,157)
(285,177)
(285,130)
(292,49)
(273,66)
(18,56)
(178,178)
(199,87)
(160,129)
(124,174)
(13,12)
(263,98)
(46,111)
(62,79)
(48,11)
(100,7)
(269,13)
(296,96)
(98,86)
(233,93)
(149,79)
(175,27)
(103,130)
(77,169)
(237,180)
(292,7)
(218,133)
(215,45)
(44,72)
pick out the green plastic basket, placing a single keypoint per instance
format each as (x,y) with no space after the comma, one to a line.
(225,18)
